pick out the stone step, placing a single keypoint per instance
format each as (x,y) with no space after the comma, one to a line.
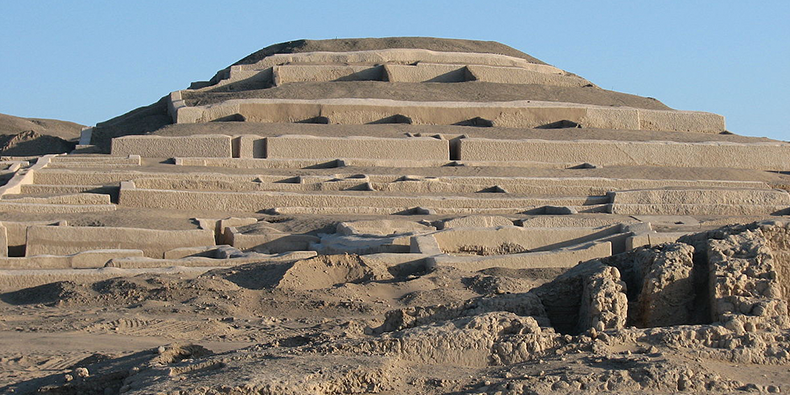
(514,114)
(759,156)
(738,197)
(97,159)
(75,199)
(44,189)
(698,209)
(560,258)
(43,208)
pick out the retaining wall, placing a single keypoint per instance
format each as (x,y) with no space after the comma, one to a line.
(518,75)
(130,196)
(562,258)
(311,147)
(515,114)
(456,240)
(761,156)
(168,147)
(321,73)
(79,260)
(65,240)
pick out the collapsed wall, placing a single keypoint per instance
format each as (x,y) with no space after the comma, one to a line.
(735,276)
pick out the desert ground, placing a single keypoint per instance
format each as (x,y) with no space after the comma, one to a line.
(393,216)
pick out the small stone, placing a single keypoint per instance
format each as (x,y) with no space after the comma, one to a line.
(160,350)
(68,377)
(81,372)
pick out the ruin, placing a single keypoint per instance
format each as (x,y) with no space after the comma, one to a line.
(507,216)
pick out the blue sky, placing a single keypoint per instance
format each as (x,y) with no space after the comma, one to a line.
(88,61)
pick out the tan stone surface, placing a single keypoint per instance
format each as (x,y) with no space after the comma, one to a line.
(561,258)
(64,240)
(310,147)
(516,114)
(765,156)
(168,147)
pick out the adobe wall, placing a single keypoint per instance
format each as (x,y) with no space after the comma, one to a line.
(79,260)
(322,73)
(12,280)
(561,258)
(762,197)
(270,243)
(425,72)
(130,196)
(516,114)
(311,147)
(16,233)
(698,209)
(394,55)
(518,75)
(760,156)
(457,240)
(65,240)
(169,147)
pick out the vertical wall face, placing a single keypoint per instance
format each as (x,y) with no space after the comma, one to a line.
(667,292)
(3,241)
(590,295)
(778,239)
(745,281)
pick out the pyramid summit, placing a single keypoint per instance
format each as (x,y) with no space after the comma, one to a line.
(400,215)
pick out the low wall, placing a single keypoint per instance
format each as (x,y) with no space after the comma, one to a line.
(698,209)
(518,75)
(759,197)
(12,280)
(17,234)
(197,262)
(322,73)
(472,240)
(66,240)
(394,55)
(130,196)
(760,156)
(80,260)
(168,147)
(423,72)
(563,258)
(269,243)
(311,147)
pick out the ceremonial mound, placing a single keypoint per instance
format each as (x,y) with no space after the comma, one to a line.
(396,216)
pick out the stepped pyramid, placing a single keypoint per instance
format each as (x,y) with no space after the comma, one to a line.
(412,134)
(402,200)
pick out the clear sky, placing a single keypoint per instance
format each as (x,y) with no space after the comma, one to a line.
(88,61)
